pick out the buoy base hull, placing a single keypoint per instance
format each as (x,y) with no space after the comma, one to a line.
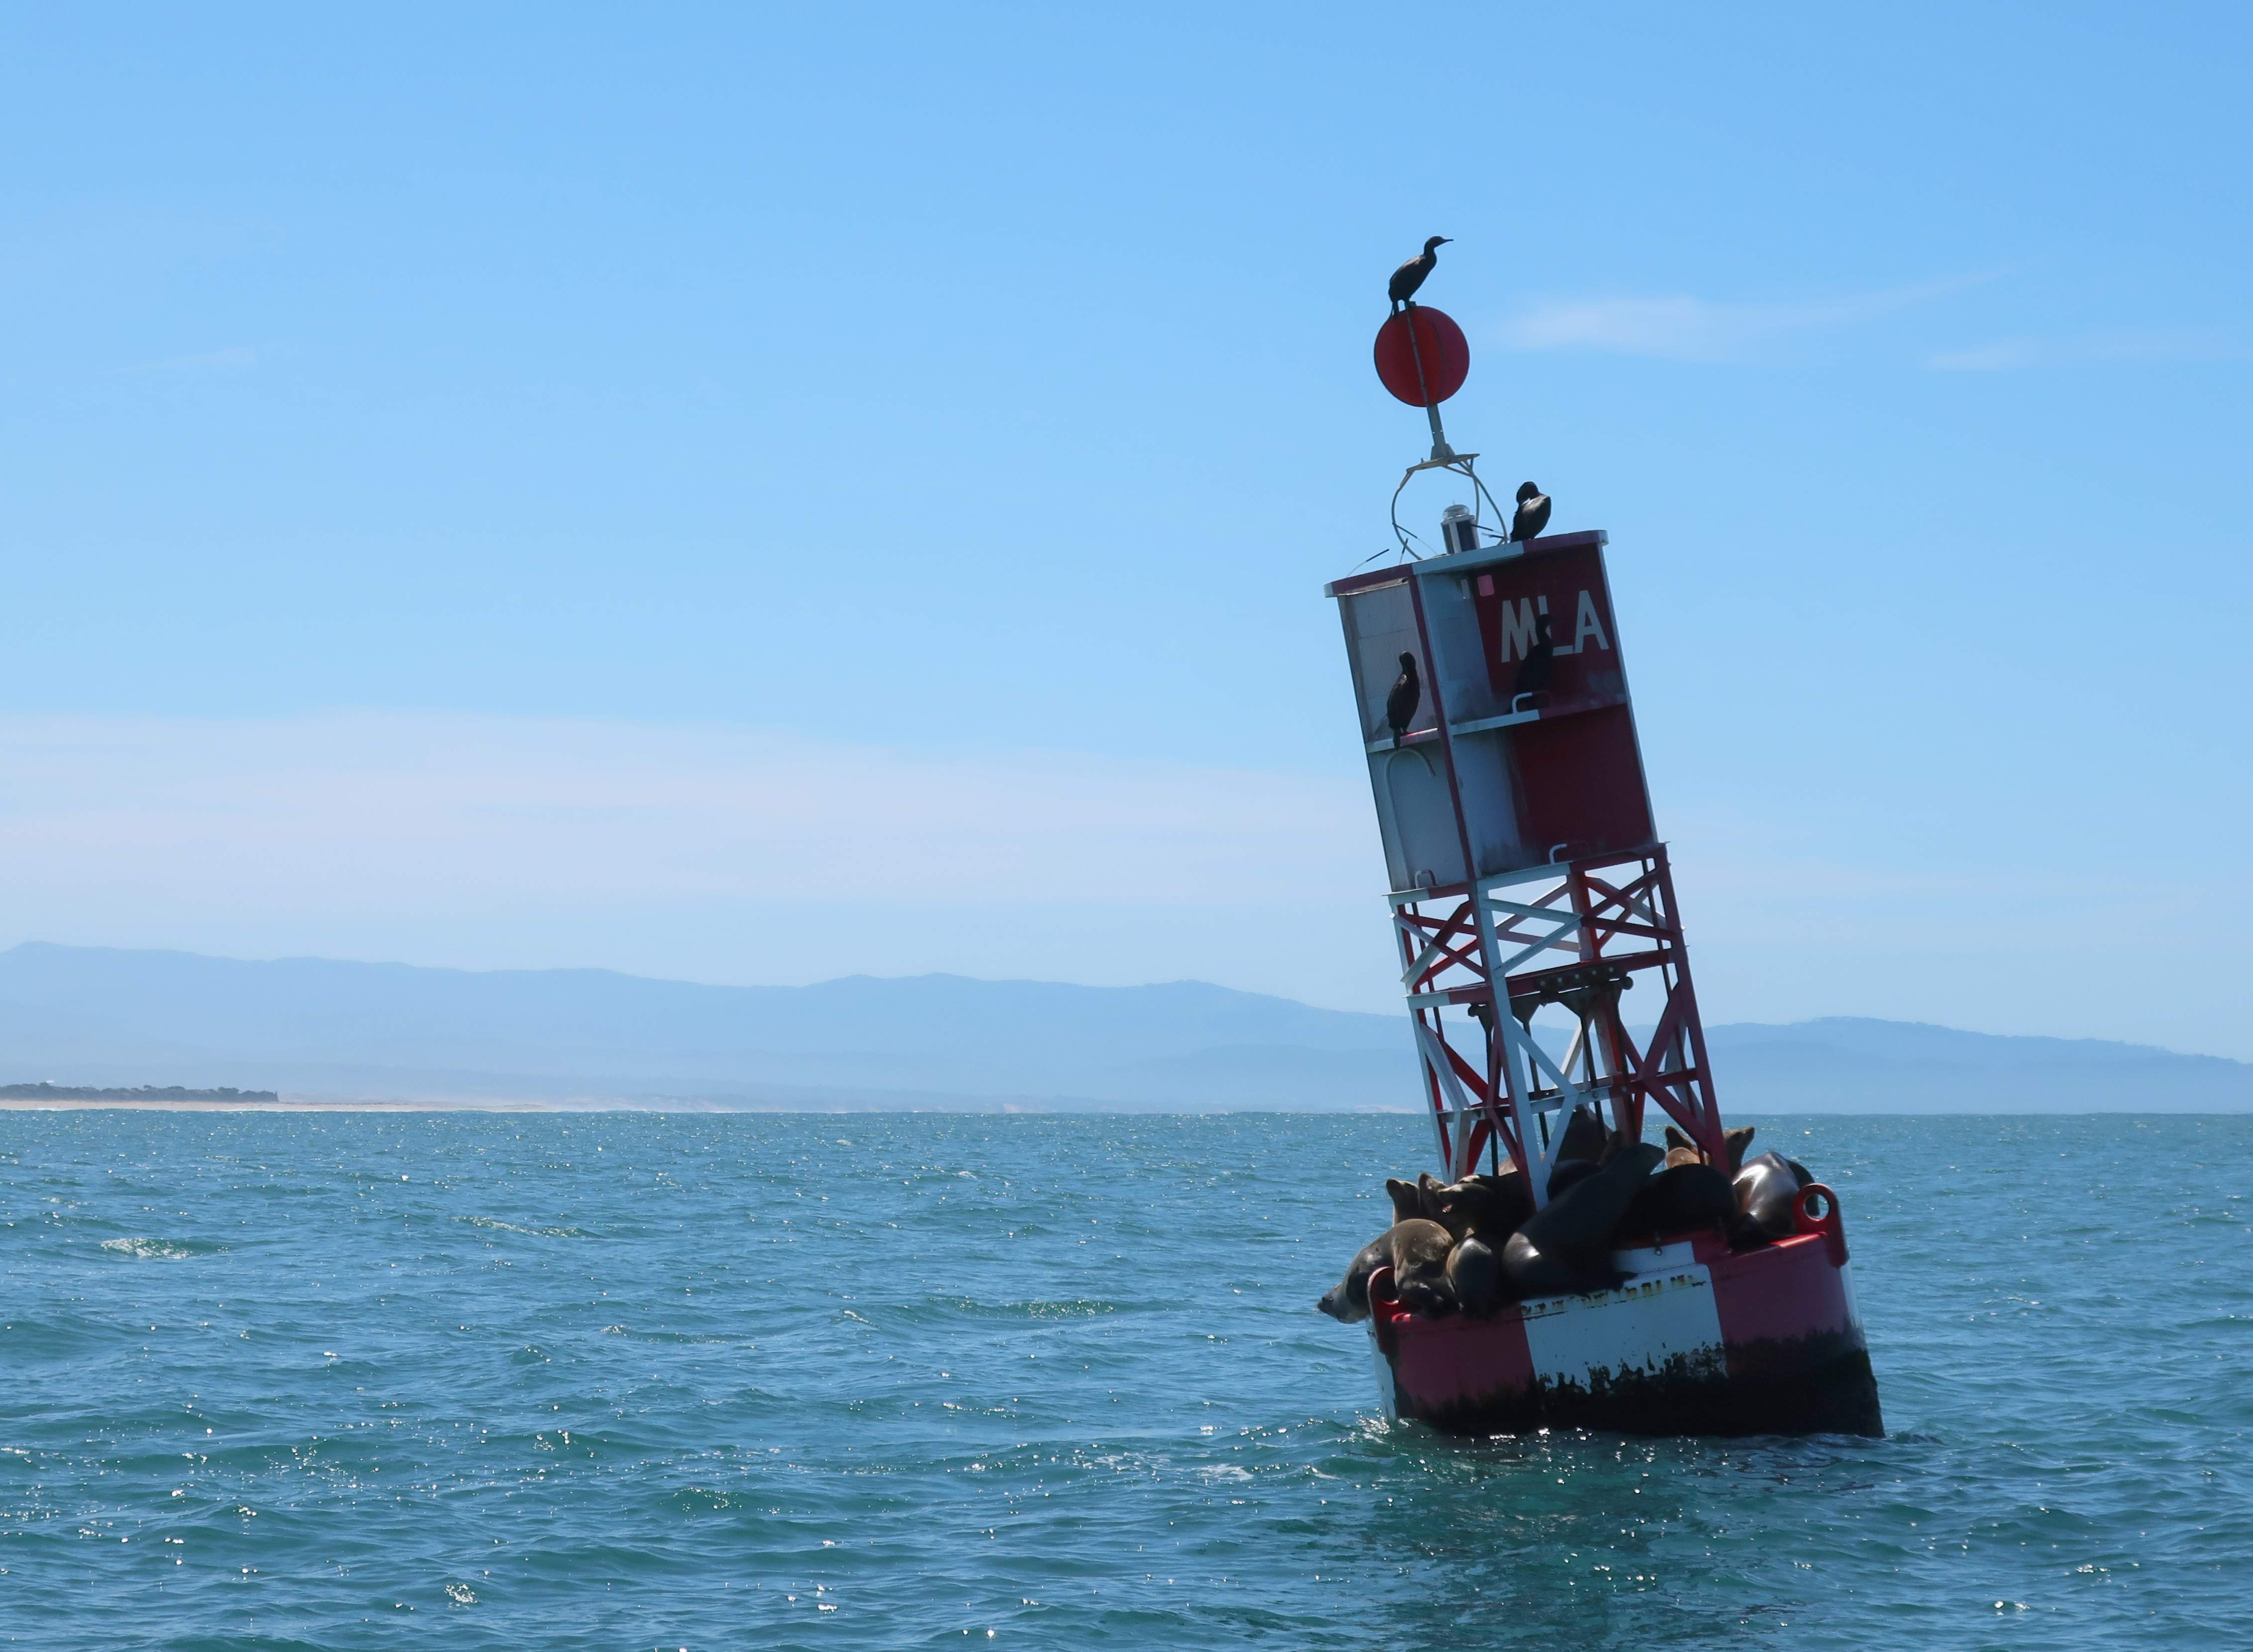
(1698,1340)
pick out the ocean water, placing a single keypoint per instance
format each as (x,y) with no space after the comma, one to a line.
(620,1380)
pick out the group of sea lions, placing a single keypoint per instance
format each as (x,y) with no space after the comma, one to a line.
(1474,1245)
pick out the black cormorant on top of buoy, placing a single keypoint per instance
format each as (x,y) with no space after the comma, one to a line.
(1406,279)
(1532,513)
(1400,704)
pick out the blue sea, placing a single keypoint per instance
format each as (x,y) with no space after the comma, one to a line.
(698,1381)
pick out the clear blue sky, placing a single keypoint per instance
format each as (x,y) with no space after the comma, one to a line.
(758,493)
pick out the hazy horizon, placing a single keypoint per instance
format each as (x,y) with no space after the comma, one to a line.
(2091,1035)
(337,1032)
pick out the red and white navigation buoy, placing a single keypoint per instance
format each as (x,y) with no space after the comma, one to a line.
(1527,880)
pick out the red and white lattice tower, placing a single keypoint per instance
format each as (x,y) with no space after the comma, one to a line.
(1526,872)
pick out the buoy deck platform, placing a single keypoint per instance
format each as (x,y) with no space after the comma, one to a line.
(1698,1339)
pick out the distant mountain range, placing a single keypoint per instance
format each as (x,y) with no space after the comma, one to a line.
(322,1030)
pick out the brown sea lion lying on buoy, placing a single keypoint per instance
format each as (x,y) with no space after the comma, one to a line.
(1481,1212)
(1491,1207)
(1766,1194)
(1566,1246)
(1681,1150)
(1348,1300)
(1419,1266)
(1407,1199)
(1416,1250)
(1434,1196)
(1417,1200)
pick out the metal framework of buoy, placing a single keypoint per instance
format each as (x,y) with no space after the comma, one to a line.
(1442,457)
(1525,868)
(1577,937)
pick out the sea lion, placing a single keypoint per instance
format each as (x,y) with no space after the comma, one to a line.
(1430,1199)
(1348,1300)
(1416,1250)
(1565,1246)
(1679,1198)
(1584,1146)
(1416,1201)
(1430,1188)
(1767,1192)
(1584,1137)
(1567,1174)
(1475,1275)
(1407,1199)
(1681,1150)
(1481,1212)
(1490,1207)
(1419,1266)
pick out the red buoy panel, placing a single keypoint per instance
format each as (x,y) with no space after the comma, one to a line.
(1438,347)
(1552,647)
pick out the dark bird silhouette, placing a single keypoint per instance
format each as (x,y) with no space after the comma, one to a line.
(1532,514)
(1407,694)
(1406,279)
(1533,671)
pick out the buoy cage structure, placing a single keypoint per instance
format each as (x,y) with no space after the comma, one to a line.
(1529,893)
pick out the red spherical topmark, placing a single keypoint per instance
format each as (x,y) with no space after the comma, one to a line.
(1446,352)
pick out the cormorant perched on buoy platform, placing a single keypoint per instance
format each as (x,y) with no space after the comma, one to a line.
(1540,662)
(1532,513)
(1406,279)
(1400,704)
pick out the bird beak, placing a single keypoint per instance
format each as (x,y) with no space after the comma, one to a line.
(1446,241)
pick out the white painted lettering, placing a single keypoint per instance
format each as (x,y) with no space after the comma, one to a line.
(1588,625)
(1517,623)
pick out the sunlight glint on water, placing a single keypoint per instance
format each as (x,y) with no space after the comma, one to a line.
(854,1380)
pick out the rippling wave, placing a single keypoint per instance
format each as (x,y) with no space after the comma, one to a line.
(609,1381)
(162,1250)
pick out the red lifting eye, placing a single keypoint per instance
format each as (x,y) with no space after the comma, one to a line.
(1815,1211)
